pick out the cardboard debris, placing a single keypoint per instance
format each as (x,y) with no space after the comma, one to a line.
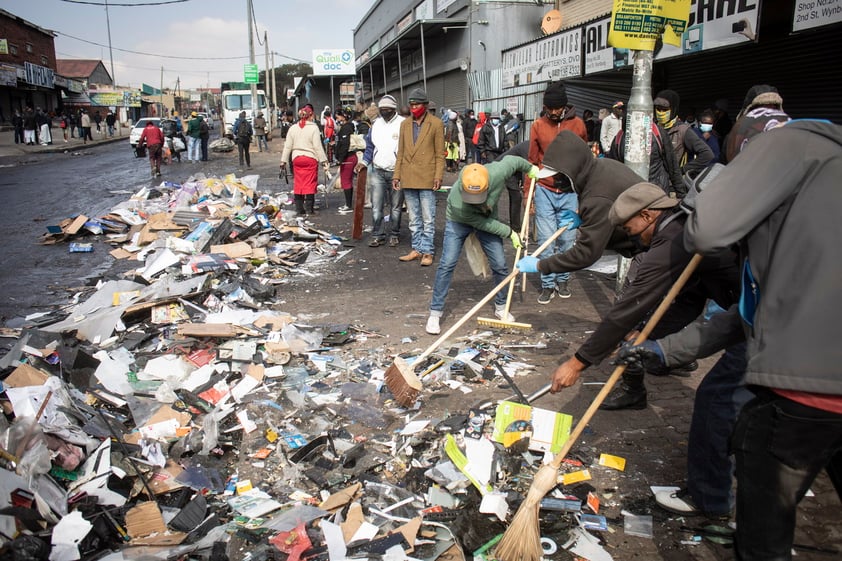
(25,375)
(341,498)
(145,526)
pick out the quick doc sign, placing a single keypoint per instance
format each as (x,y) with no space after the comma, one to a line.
(333,62)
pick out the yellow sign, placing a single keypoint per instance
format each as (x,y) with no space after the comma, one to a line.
(4,47)
(637,24)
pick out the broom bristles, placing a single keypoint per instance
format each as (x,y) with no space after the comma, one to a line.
(522,539)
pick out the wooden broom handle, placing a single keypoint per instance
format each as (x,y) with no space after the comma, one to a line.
(618,371)
(524,230)
(485,300)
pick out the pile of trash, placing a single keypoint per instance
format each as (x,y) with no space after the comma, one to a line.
(180,412)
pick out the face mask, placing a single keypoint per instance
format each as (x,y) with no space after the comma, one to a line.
(495,122)
(418,110)
(638,244)
(662,117)
(387,114)
(706,127)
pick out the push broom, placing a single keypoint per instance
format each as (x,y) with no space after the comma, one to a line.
(522,539)
(400,376)
(524,233)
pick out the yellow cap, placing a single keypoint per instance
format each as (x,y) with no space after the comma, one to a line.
(474,184)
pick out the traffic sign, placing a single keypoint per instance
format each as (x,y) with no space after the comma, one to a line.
(250,73)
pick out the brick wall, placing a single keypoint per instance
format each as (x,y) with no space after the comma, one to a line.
(19,34)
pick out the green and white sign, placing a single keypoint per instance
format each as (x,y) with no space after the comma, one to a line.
(250,73)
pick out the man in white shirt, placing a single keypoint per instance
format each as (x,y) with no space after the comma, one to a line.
(611,125)
(379,157)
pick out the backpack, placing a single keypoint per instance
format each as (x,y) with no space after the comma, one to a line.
(697,184)
(244,132)
(203,128)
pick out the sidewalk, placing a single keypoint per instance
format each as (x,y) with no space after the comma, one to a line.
(9,148)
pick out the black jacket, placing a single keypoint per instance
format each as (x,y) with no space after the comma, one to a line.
(488,141)
(717,277)
(598,182)
(663,165)
(343,141)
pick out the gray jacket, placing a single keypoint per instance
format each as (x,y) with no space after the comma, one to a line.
(780,200)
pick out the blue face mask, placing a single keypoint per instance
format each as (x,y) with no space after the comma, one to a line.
(495,122)
(705,127)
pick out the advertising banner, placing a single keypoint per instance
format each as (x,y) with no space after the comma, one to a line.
(599,56)
(39,75)
(333,62)
(712,25)
(554,57)
(637,24)
(816,13)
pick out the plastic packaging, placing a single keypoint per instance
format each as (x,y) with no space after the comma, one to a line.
(76,247)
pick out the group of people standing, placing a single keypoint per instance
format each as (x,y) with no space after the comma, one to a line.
(33,127)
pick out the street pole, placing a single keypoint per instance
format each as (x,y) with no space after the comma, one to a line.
(274,92)
(161,96)
(638,132)
(267,85)
(110,52)
(251,58)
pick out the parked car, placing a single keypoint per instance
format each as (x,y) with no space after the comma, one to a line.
(208,119)
(137,129)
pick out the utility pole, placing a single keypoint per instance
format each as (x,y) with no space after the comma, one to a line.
(110,52)
(251,57)
(638,132)
(274,92)
(161,96)
(266,64)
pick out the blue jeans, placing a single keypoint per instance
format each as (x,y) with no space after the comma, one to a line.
(380,182)
(455,234)
(719,399)
(548,209)
(421,206)
(193,146)
(261,143)
(780,446)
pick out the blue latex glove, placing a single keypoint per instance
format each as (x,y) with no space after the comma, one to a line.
(533,172)
(570,219)
(528,264)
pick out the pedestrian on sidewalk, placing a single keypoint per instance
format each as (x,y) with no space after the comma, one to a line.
(44,123)
(64,124)
(17,122)
(204,136)
(86,126)
(153,139)
(472,209)
(346,157)
(29,127)
(110,121)
(260,132)
(98,121)
(304,148)
(419,167)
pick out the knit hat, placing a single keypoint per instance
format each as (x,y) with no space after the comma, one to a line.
(640,196)
(555,96)
(418,96)
(387,102)
(668,98)
(474,180)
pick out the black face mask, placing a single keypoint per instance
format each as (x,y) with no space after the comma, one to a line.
(638,244)
(387,114)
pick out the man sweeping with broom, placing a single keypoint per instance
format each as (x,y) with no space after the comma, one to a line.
(472,207)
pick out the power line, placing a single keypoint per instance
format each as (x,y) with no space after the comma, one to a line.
(254,19)
(149,54)
(161,3)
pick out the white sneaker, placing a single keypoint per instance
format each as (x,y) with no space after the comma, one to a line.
(433,327)
(500,313)
(677,502)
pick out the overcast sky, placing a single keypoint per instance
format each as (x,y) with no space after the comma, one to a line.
(215,29)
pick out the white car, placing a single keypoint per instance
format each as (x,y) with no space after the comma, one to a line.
(208,119)
(137,129)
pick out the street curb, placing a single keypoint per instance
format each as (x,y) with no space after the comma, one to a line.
(58,148)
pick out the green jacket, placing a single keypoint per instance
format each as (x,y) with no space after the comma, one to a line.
(484,217)
(193,127)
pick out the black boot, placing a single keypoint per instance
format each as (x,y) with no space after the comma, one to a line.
(310,204)
(630,394)
(299,204)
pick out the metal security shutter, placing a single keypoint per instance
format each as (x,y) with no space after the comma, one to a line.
(456,91)
(600,91)
(803,67)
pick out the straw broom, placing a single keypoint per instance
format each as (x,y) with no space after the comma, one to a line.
(522,539)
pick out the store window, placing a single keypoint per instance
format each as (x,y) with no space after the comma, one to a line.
(29,47)
(43,60)
(13,49)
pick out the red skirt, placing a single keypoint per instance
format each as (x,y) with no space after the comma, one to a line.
(305,175)
(346,171)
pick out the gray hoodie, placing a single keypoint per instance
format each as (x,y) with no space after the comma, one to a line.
(781,201)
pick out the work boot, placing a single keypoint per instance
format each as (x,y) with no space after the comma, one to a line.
(625,397)
(433,327)
(411,256)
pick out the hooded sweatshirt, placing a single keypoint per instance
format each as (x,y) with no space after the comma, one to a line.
(780,200)
(598,182)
